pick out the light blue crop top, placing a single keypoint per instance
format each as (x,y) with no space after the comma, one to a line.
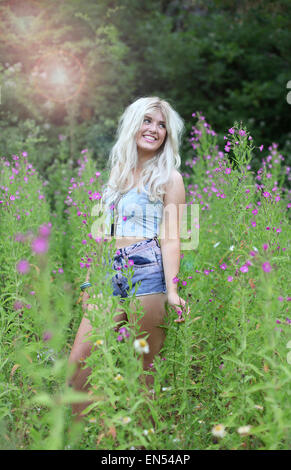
(137,215)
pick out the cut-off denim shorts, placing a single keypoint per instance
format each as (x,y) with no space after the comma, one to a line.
(148,270)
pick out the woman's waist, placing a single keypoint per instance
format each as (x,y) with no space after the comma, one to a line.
(122,242)
(127,242)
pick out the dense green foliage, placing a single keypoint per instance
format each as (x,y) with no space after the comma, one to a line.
(228,362)
(229,60)
(226,365)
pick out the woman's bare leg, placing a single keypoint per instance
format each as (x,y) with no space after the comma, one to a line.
(80,351)
(154,313)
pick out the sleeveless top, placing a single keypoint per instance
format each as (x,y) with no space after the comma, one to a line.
(136,216)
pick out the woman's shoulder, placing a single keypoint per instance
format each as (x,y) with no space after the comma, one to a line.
(175,189)
(175,177)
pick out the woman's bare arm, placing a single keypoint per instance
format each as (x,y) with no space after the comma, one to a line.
(174,201)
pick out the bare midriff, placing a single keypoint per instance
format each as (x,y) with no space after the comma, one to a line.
(121,242)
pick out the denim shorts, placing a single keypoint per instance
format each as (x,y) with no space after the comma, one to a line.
(144,259)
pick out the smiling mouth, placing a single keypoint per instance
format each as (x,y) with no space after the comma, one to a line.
(149,139)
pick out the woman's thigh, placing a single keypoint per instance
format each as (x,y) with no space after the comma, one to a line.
(81,348)
(151,322)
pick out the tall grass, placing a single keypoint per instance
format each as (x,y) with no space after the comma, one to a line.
(225,364)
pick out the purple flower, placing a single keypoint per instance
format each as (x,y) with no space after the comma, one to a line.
(46,336)
(223,266)
(44,230)
(23,266)
(19,237)
(230,278)
(265,246)
(124,333)
(244,269)
(17,305)
(266,267)
(39,245)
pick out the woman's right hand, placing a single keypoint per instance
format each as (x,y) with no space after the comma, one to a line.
(86,306)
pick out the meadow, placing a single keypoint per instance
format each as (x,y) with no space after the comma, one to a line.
(222,380)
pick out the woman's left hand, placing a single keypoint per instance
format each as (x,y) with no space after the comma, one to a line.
(179,305)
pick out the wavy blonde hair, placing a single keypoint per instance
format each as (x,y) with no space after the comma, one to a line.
(124,156)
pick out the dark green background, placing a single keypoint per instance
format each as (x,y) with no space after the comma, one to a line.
(228,59)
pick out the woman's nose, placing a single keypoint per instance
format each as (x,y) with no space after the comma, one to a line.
(153,127)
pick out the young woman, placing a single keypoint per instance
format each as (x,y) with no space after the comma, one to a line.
(147,193)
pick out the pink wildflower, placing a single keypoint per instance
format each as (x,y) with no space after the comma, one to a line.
(44,230)
(23,266)
(266,267)
(244,269)
(39,245)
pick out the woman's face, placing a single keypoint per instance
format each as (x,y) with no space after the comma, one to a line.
(152,132)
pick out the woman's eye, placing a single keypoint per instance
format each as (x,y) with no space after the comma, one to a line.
(163,125)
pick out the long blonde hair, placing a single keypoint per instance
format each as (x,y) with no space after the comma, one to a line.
(124,156)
